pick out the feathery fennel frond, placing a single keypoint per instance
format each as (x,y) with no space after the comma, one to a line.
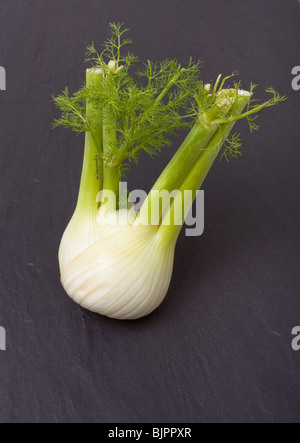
(73,111)
(144,109)
(232,148)
(140,111)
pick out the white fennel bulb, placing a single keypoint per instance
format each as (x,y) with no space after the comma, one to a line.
(125,274)
(82,232)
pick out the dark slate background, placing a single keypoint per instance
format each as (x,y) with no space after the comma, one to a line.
(219,347)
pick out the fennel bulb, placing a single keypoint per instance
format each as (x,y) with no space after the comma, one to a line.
(125,275)
(114,261)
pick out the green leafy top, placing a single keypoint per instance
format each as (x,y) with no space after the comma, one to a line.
(138,111)
(215,105)
(141,110)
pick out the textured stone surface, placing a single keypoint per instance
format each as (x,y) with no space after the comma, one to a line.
(219,348)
